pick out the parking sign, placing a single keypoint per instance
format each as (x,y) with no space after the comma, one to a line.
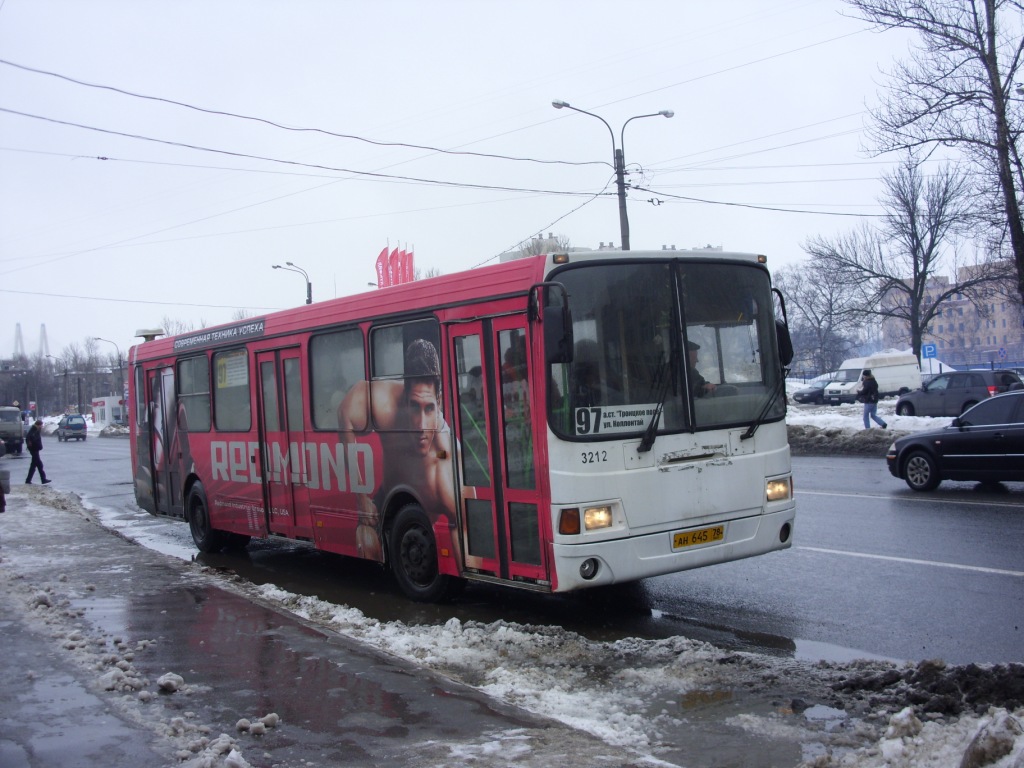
(929,350)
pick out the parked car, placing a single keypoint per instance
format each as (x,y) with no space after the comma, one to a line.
(952,393)
(814,392)
(72,428)
(985,444)
(10,428)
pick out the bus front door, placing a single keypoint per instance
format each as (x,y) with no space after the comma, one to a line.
(282,437)
(165,453)
(502,526)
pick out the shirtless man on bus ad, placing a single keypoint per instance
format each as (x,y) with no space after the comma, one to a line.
(416,442)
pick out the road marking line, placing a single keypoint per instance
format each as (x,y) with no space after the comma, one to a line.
(912,499)
(937,563)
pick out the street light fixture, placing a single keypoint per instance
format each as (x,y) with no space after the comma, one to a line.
(293,268)
(120,375)
(618,154)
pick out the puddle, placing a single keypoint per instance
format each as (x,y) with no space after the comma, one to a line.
(813,650)
(829,717)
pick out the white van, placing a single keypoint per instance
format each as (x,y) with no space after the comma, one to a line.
(895,372)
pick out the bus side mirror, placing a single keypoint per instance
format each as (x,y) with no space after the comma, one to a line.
(555,320)
(785,343)
(558,339)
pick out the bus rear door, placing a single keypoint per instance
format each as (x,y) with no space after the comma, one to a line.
(282,439)
(501,521)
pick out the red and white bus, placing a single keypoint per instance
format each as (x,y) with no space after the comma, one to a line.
(551,423)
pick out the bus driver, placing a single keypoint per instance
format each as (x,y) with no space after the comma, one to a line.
(415,441)
(698,384)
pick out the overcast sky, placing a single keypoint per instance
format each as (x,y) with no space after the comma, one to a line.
(117,211)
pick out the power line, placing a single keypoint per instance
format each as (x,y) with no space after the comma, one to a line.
(135,301)
(757,207)
(229,153)
(549,225)
(295,129)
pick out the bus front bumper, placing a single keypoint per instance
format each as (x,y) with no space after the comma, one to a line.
(622,560)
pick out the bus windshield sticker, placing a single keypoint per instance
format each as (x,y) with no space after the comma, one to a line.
(604,420)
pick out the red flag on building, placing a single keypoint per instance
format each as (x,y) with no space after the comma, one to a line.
(394,268)
(399,275)
(410,273)
(382,268)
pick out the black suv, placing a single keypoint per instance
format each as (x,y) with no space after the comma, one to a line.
(71,427)
(952,393)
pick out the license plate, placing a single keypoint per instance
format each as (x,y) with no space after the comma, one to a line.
(683,539)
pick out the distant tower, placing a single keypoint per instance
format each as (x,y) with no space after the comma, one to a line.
(19,345)
(44,345)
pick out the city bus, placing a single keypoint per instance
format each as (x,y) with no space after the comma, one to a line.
(550,423)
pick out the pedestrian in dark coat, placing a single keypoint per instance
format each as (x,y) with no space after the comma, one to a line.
(869,396)
(34,442)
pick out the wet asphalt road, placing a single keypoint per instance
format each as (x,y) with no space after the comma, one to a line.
(875,570)
(114,608)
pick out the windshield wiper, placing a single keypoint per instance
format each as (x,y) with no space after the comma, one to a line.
(662,378)
(759,420)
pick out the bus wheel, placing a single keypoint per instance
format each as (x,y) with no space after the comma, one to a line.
(205,537)
(414,558)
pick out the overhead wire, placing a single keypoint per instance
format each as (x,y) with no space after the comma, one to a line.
(753,206)
(122,300)
(230,153)
(296,129)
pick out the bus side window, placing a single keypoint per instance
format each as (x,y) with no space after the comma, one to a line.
(336,362)
(141,409)
(231,405)
(193,381)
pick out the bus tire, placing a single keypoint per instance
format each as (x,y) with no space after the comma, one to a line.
(413,553)
(204,536)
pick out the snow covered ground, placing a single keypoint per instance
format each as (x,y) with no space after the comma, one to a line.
(641,694)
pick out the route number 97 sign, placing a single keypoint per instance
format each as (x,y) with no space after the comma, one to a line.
(612,419)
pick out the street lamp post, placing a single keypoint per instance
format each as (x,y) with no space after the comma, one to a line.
(120,375)
(619,159)
(293,268)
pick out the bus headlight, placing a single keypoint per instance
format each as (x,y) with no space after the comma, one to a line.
(597,517)
(779,489)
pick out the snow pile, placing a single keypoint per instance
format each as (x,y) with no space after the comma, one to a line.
(826,430)
(628,692)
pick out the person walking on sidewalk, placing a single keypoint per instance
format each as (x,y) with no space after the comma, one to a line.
(34,442)
(869,396)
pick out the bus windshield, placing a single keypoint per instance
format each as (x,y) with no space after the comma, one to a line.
(693,341)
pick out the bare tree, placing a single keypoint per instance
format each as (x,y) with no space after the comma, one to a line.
(173,326)
(419,274)
(822,314)
(550,244)
(891,267)
(959,90)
